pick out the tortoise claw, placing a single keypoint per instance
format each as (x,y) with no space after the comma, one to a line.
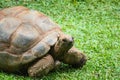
(81,63)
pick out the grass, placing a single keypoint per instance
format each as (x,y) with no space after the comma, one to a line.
(95,25)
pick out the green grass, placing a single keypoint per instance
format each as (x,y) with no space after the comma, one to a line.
(95,25)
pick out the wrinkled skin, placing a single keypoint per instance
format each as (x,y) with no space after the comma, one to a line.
(32,43)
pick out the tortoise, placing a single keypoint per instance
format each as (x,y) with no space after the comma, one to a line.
(31,42)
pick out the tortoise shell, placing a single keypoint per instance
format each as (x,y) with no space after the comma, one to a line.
(24,36)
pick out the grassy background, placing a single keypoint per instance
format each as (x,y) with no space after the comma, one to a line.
(95,25)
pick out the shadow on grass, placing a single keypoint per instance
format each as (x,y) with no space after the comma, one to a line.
(63,69)
(66,68)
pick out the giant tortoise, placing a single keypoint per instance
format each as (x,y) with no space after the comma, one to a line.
(30,41)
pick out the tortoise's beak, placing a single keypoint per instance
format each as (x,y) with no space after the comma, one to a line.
(71,40)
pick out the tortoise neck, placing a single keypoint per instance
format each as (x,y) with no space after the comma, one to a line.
(59,51)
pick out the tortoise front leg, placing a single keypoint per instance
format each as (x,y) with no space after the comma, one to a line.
(41,67)
(74,57)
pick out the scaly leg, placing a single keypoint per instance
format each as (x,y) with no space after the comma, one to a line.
(74,57)
(42,66)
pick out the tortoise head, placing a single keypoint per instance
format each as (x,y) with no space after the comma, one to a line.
(63,44)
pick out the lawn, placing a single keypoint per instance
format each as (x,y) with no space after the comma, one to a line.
(95,25)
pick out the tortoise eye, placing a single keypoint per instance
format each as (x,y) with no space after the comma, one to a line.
(64,40)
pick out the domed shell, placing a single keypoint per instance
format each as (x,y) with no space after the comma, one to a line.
(24,36)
